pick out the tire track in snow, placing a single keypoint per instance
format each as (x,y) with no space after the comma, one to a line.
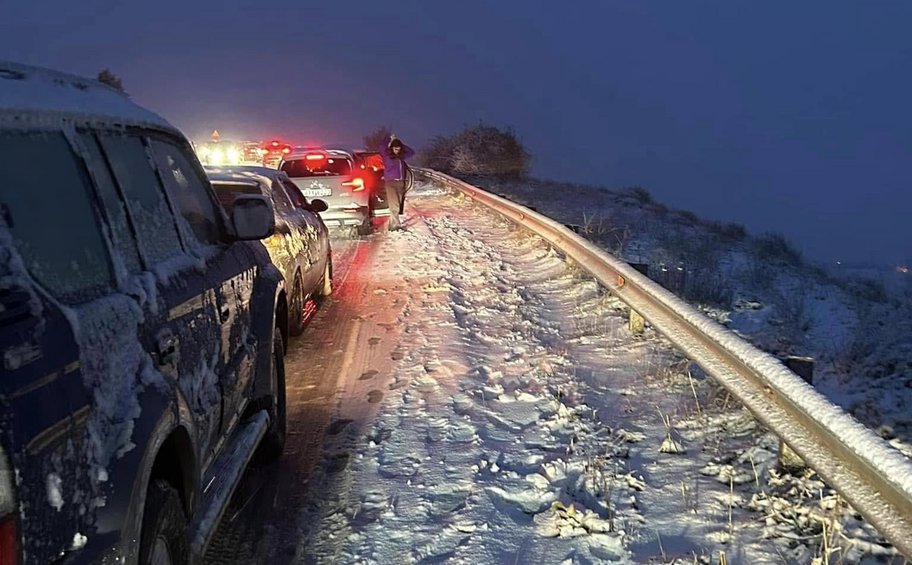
(461,455)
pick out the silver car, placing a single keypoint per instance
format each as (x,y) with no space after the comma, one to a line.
(299,247)
(330,175)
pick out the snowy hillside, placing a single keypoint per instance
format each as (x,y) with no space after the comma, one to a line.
(857,325)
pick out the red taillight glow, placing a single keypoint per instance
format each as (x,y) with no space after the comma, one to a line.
(356,184)
(9,541)
(286,150)
(315,157)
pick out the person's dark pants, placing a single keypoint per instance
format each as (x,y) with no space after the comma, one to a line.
(395,197)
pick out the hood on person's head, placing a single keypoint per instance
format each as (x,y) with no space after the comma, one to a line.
(395,143)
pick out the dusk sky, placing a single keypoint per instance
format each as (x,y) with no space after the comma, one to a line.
(791,117)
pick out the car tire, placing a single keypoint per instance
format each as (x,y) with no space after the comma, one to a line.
(367,226)
(296,309)
(274,441)
(326,287)
(164,527)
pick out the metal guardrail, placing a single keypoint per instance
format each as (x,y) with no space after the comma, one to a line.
(875,478)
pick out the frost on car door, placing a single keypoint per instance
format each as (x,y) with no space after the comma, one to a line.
(180,330)
(314,231)
(230,272)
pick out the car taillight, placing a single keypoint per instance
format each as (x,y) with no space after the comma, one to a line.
(315,156)
(9,532)
(286,150)
(9,541)
(356,184)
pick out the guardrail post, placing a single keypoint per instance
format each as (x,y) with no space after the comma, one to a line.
(789,461)
(636,323)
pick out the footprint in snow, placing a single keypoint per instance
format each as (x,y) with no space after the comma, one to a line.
(374,396)
(367,375)
(373,341)
(397,355)
(337,463)
(338,426)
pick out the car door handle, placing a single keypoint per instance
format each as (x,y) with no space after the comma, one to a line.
(224,313)
(167,348)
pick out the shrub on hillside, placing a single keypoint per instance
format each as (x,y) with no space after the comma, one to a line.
(477,151)
(775,248)
(375,140)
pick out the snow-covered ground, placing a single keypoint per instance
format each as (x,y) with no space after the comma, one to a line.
(523,423)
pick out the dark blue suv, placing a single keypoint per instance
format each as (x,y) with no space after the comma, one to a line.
(141,331)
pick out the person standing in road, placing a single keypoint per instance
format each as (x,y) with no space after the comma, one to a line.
(394,170)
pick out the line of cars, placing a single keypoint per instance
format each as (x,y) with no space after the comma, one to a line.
(145,308)
(350,181)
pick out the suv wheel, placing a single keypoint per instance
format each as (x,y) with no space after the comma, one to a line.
(274,441)
(296,311)
(366,226)
(164,527)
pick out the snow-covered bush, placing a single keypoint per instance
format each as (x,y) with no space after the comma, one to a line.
(774,248)
(478,151)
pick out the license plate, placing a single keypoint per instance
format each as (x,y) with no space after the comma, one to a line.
(311,192)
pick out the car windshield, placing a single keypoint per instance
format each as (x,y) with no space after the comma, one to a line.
(226,193)
(326,167)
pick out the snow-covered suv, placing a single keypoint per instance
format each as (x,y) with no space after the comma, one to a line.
(141,331)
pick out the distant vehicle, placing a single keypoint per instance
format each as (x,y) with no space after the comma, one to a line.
(274,151)
(300,246)
(330,174)
(252,153)
(142,331)
(220,153)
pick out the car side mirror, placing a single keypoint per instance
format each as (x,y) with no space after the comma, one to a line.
(319,205)
(253,217)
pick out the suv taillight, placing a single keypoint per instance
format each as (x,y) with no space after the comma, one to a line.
(356,184)
(9,531)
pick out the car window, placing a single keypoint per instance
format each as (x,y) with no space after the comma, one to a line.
(187,190)
(113,204)
(294,193)
(51,217)
(280,200)
(226,193)
(328,166)
(156,229)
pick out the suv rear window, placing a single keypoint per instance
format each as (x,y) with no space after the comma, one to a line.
(328,167)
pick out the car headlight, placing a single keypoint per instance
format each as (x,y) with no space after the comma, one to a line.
(216,157)
(232,155)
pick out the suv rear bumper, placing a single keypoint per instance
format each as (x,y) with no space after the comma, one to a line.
(345,217)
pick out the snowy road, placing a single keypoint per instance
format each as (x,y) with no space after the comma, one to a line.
(468,397)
